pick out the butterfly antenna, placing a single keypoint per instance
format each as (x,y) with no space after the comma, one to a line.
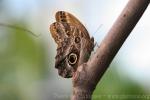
(98,28)
(96,44)
(19,28)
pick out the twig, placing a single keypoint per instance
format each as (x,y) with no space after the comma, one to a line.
(19,28)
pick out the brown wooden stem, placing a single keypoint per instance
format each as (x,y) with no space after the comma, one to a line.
(89,74)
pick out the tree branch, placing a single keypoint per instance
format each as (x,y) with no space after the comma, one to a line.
(89,74)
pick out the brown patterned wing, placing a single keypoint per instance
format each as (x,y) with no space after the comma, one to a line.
(59,32)
(65,17)
(74,43)
(68,50)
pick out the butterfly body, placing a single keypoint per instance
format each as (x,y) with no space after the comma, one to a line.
(74,43)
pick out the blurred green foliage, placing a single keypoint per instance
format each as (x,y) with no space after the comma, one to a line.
(22,64)
(113,86)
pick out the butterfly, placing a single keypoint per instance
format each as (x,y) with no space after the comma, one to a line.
(74,45)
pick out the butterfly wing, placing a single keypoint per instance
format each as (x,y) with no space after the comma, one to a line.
(66,60)
(65,17)
(60,31)
(74,43)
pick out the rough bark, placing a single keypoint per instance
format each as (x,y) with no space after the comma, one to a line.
(89,74)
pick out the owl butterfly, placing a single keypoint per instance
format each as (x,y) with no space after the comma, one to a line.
(74,45)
